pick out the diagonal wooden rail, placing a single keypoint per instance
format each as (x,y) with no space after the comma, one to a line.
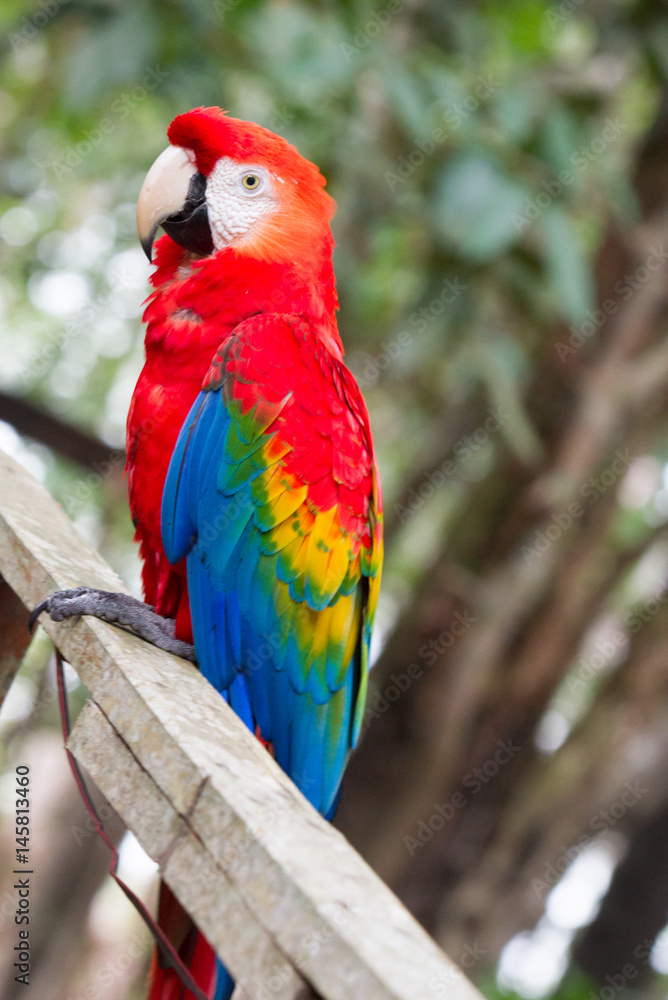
(290,907)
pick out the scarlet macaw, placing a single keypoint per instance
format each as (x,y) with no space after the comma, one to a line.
(252,479)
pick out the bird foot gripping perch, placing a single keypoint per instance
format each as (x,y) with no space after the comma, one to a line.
(117,609)
(253,483)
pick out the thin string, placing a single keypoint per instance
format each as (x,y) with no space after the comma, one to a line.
(168,950)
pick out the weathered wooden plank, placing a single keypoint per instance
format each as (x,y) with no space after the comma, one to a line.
(14,637)
(299,880)
(251,954)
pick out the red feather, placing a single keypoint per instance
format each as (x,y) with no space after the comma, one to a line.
(195,305)
(193,948)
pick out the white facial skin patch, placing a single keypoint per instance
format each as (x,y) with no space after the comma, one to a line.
(238,195)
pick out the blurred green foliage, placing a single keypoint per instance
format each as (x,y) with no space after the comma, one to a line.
(438,127)
(477,153)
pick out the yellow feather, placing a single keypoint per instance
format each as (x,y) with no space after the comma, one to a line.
(320,547)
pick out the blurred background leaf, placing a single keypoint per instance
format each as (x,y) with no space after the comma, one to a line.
(501,171)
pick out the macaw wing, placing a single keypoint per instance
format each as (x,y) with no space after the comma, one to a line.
(272,496)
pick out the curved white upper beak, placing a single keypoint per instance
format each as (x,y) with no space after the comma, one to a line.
(163,193)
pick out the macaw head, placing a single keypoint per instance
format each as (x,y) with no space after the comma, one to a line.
(225,183)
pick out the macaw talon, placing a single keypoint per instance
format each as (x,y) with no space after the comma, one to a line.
(117,609)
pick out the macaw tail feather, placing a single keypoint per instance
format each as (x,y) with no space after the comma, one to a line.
(195,952)
(224,982)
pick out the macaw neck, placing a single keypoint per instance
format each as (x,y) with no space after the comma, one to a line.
(198,302)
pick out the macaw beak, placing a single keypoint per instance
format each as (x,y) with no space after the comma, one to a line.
(173,196)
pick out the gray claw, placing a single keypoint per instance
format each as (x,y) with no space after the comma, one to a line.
(117,609)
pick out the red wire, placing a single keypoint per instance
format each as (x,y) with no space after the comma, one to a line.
(169,951)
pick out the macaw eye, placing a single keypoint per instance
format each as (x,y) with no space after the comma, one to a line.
(251,182)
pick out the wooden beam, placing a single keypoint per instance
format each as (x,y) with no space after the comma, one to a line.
(14,636)
(203,888)
(266,878)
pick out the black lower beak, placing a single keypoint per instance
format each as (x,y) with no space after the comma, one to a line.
(190,226)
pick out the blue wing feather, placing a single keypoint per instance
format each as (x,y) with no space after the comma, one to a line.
(244,647)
